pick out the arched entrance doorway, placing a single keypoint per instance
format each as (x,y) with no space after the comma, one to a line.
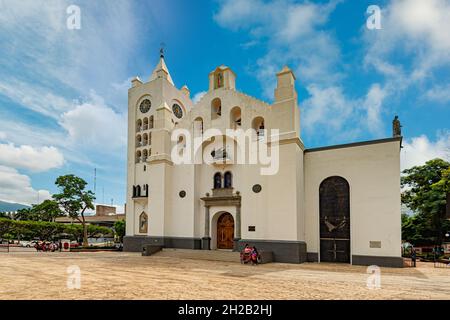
(334,206)
(225,231)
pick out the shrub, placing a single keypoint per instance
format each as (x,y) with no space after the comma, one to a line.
(45,230)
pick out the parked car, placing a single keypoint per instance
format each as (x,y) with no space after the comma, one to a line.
(101,242)
(74,244)
(27,244)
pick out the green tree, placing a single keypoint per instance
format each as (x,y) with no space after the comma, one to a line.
(4,215)
(418,230)
(119,228)
(5,226)
(425,193)
(443,185)
(75,200)
(43,230)
(48,210)
(24,215)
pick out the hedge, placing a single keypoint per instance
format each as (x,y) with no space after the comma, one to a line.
(28,230)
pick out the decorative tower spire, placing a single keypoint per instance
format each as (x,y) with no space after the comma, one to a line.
(161,70)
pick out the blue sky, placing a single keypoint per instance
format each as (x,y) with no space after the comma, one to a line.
(63,93)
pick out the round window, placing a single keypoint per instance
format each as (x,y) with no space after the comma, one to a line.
(257,188)
(177,111)
(145,106)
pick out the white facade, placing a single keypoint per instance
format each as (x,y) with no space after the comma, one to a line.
(183,205)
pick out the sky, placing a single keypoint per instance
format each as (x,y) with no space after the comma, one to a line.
(63,91)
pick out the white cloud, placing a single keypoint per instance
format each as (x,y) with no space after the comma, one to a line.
(20,133)
(298,34)
(196,98)
(423,21)
(67,56)
(412,29)
(249,44)
(119,94)
(302,20)
(295,34)
(16,187)
(236,14)
(90,126)
(285,19)
(413,44)
(48,69)
(373,105)
(2,135)
(96,126)
(418,150)
(439,94)
(45,66)
(34,97)
(326,106)
(31,158)
(329,112)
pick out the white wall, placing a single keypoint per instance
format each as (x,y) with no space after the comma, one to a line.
(373,172)
(180,220)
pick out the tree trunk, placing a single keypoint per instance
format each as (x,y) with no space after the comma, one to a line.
(85,235)
(85,231)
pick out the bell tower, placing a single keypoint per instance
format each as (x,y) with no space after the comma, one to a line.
(286,110)
(155,108)
(222,77)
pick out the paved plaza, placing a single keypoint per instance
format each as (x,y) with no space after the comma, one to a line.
(113,275)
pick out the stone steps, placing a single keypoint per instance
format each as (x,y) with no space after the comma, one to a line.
(212,255)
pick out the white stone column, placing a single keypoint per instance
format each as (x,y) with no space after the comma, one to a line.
(237,234)
(207,221)
(206,240)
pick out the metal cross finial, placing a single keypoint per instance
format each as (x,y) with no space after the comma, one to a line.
(161,50)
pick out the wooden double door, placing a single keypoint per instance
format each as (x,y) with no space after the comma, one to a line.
(225,231)
(334,220)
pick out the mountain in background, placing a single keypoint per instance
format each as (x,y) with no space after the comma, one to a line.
(9,206)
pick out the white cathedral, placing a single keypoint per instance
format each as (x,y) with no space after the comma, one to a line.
(337,203)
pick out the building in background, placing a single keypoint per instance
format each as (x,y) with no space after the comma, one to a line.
(104,216)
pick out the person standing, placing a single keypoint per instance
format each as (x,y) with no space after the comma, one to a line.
(413,257)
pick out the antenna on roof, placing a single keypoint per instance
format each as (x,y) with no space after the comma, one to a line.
(95,181)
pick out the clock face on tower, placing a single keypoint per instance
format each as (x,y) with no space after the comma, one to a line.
(145,106)
(177,111)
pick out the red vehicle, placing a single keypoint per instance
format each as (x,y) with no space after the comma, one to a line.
(74,244)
